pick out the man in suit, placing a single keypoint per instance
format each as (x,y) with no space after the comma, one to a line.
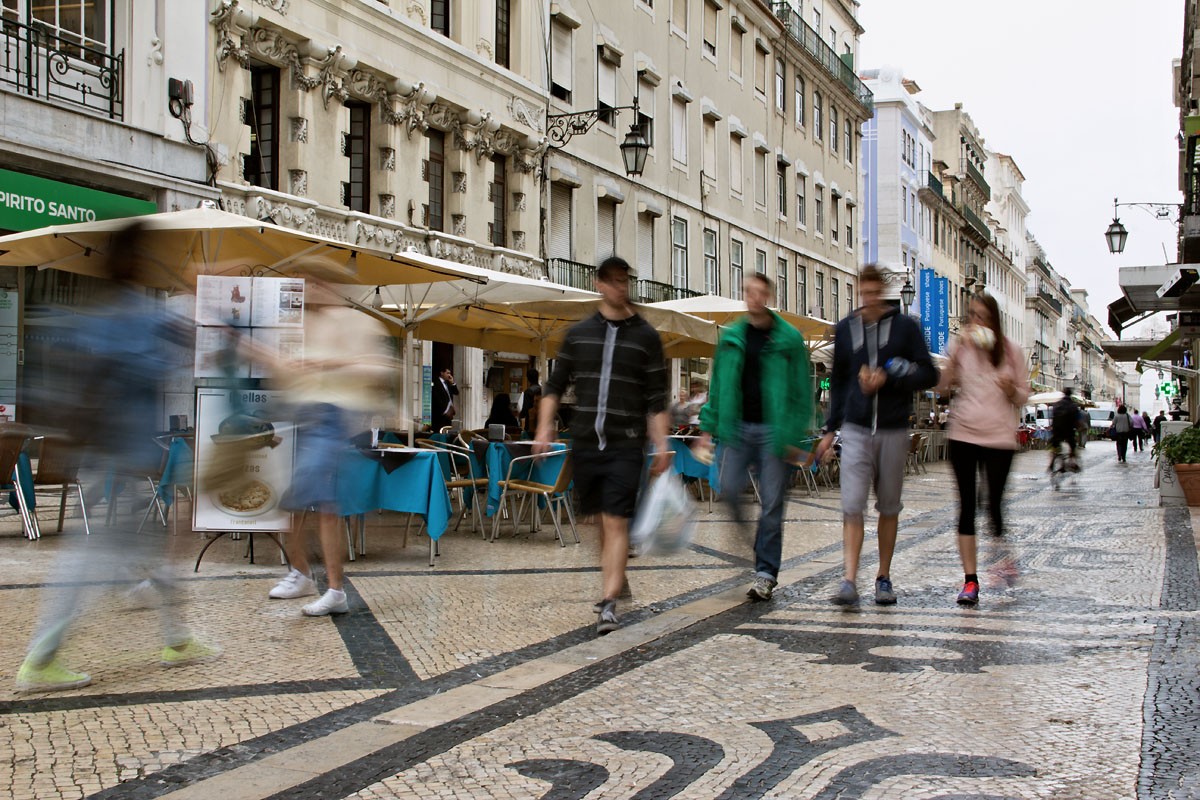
(442,408)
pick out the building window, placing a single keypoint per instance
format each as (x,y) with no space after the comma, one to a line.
(735,269)
(816,122)
(499,191)
(801,200)
(833,128)
(781,283)
(561,62)
(358,147)
(736,40)
(679,144)
(799,103)
(833,295)
(712,281)
(645,245)
(261,166)
(801,288)
(710,29)
(562,224)
(760,70)
(606,88)
(503,32)
(819,210)
(645,118)
(820,288)
(439,16)
(780,86)
(849,298)
(735,166)
(835,219)
(760,262)
(679,253)
(849,140)
(760,178)
(709,165)
(679,15)
(781,187)
(435,175)
(606,229)
(817,21)
(850,226)
(84,21)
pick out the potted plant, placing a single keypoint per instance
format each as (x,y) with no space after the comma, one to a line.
(1182,451)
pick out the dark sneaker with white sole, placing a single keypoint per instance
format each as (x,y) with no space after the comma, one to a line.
(608,621)
(761,589)
(846,595)
(884,595)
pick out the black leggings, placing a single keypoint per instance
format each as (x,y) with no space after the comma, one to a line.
(1122,445)
(965,458)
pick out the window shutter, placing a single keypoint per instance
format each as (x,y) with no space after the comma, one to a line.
(560,221)
(606,230)
(645,246)
(560,55)
(606,80)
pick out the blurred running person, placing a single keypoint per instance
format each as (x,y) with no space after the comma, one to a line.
(1064,422)
(987,375)
(879,361)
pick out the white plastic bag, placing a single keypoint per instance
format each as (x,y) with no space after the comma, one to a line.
(665,517)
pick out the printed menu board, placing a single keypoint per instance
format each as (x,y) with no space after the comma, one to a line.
(270,310)
(224,300)
(258,448)
(278,303)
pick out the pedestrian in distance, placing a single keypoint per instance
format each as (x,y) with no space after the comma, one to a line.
(879,360)
(334,389)
(501,413)
(760,407)
(615,361)
(122,355)
(1139,431)
(986,372)
(530,398)
(1122,427)
(1156,428)
(442,403)
(1066,419)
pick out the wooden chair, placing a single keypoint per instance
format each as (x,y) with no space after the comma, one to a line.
(12,441)
(460,478)
(58,467)
(555,495)
(913,462)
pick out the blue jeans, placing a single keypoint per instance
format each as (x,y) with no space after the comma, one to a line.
(754,447)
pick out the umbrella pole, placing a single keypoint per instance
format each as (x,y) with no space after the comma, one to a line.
(405,396)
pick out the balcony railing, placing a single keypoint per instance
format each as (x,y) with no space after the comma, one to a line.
(655,292)
(976,222)
(42,64)
(811,41)
(977,176)
(934,184)
(575,274)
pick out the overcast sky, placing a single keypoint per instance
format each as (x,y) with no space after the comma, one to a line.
(1078,92)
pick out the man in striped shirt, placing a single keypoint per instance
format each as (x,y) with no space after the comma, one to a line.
(615,359)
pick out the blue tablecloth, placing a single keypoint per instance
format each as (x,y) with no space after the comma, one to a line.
(498,459)
(686,463)
(418,486)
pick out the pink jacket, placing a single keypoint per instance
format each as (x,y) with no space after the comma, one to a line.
(981,413)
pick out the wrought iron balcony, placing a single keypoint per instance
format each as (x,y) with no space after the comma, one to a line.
(974,174)
(811,41)
(933,184)
(575,274)
(976,222)
(39,63)
(655,292)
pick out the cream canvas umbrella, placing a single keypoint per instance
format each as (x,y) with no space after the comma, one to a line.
(179,245)
(723,310)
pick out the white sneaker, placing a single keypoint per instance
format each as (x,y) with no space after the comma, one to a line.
(142,596)
(332,602)
(294,584)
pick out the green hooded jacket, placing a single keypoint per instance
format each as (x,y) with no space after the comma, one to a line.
(787,392)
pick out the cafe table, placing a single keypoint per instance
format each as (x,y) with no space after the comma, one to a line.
(496,456)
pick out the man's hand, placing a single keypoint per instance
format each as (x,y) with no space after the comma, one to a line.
(871,380)
(825,447)
(662,459)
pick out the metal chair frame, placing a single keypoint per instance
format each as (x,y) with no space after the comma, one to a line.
(555,494)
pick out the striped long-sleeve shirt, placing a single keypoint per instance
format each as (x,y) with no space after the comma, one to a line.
(620,377)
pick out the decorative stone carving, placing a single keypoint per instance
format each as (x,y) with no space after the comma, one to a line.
(283,214)
(271,45)
(378,235)
(232,24)
(275,5)
(529,160)
(506,141)
(299,129)
(411,110)
(458,182)
(366,85)
(416,10)
(442,116)
(344,142)
(387,206)
(387,159)
(479,136)
(459,224)
(518,201)
(518,240)
(298,182)
(525,114)
(484,48)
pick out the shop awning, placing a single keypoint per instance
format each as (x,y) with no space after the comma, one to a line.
(1147,290)
(723,310)
(1169,347)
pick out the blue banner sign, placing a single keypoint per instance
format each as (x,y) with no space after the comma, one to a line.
(941,317)
(925,300)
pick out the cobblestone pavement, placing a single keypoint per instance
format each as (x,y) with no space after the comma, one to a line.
(1076,676)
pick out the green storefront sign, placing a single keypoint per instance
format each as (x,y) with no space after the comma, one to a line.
(28,202)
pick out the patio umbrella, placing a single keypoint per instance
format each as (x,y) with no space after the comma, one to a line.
(723,310)
(1047,398)
(208,241)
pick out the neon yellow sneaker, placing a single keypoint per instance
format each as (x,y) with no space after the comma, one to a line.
(53,677)
(190,652)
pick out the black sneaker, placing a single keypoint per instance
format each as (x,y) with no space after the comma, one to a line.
(761,589)
(608,621)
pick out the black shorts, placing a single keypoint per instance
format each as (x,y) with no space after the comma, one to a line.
(607,481)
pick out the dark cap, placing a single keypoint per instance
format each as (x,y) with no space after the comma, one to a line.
(612,264)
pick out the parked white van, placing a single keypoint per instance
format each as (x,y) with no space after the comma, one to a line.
(1100,418)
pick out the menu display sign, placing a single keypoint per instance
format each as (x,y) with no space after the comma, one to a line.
(269,310)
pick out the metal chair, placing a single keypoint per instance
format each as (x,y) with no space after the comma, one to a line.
(58,467)
(12,441)
(913,461)
(555,495)
(460,478)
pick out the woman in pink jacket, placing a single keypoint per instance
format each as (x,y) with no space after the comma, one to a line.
(987,374)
